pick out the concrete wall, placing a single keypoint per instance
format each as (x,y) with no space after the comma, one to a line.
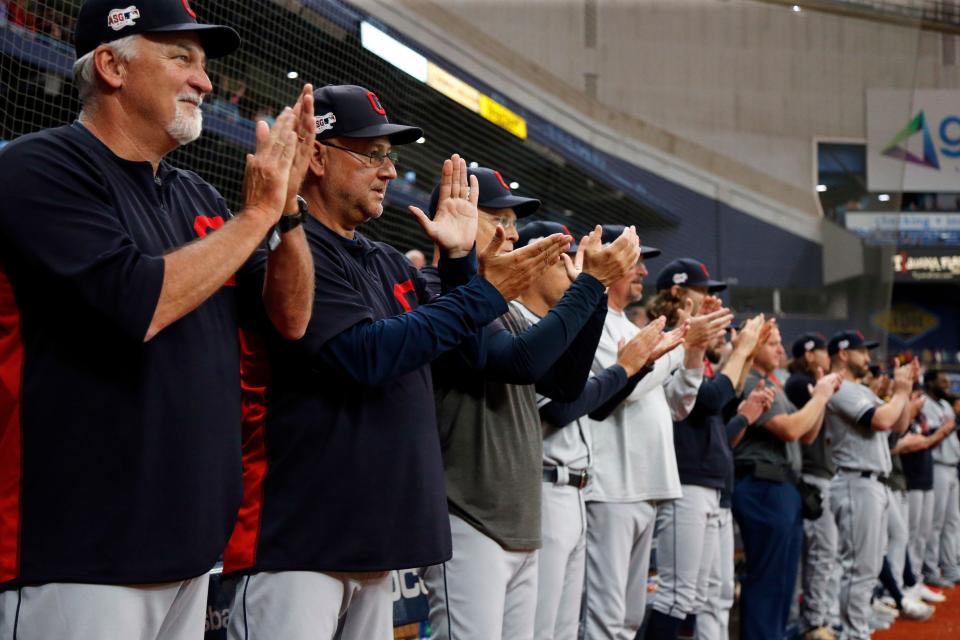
(741,88)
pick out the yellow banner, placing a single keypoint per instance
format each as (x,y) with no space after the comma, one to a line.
(503,117)
(453,87)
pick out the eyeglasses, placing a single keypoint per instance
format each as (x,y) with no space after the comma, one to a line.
(375,159)
(503,221)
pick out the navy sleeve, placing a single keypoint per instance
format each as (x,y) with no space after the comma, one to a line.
(735,425)
(58,220)
(452,273)
(526,358)
(598,390)
(372,353)
(605,409)
(866,420)
(713,395)
(568,375)
(796,389)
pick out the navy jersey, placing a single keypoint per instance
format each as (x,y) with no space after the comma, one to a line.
(342,474)
(119,459)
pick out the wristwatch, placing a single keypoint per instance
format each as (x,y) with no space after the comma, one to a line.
(288,222)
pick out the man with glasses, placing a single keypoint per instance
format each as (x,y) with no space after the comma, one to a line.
(343,479)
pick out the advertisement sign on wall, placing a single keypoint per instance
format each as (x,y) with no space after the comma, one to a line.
(913,140)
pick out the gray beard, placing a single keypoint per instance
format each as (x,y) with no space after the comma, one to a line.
(185,128)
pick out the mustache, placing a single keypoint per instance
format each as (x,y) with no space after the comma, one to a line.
(190,97)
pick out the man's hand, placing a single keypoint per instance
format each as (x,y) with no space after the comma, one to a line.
(305,128)
(748,338)
(903,378)
(267,172)
(710,304)
(513,272)
(704,329)
(454,224)
(609,264)
(669,341)
(757,403)
(826,386)
(635,354)
(574,267)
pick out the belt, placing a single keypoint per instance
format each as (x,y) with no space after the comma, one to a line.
(874,475)
(764,471)
(576,479)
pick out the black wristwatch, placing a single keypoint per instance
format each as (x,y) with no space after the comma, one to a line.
(288,222)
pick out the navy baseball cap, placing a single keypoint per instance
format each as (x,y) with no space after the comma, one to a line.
(849,340)
(354,112)
(688,272)
(103,21)
(539,229)
(613,231)
(808,342)
(494,194)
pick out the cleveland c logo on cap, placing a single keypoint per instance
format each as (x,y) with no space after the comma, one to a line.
(500,178)
(375,103)
(186,5)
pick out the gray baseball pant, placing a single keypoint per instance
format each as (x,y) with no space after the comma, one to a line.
(897,534)
(921,527)
(941,553)
(484,592)
(687,539)
(820,575)
(308,605)
(619,536)
(561,563)
(860,509)
(713,620)
(58,611)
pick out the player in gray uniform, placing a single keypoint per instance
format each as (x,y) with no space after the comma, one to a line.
(856,420)
(566,451)
(940,566)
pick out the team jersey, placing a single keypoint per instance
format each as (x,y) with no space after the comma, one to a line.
(340,475)
(119,458)
(855,445)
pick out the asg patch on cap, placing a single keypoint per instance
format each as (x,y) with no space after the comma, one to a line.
(119,18)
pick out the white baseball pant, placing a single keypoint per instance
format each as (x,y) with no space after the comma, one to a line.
(308,605)
(860,508)
(561,563)
(619,536)
(821,577)
(898,534)
(713,620)
(687,539)
(484,592)
(921,527)
(941,553)
(168,611)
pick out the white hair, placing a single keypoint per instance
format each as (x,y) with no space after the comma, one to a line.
(85,72)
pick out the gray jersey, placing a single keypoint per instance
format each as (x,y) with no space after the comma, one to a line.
(566,446)
(937,412)
(856,446)
(759,444)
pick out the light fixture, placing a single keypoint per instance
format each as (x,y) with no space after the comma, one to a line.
(796,8)
(821,188)
(514,185)
(293,75)
(421,140)
(884,197)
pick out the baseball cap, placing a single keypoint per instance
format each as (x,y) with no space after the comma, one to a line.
(613,231)
(849,339)
(688,272)
(539,229)
(494,194)
(102,21)
(354,112)
(808,342)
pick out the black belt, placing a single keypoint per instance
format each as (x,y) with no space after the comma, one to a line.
(576,479)
(764,471)
(875,475)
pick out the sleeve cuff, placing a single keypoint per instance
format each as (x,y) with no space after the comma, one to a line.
(455,272)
